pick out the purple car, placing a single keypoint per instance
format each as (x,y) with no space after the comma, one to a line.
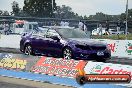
(69,43)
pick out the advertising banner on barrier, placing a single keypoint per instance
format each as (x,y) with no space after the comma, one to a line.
(58,66)
(17,62)
(122,48)
(107,68)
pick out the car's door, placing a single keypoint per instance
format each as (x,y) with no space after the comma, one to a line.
(54,46)
(39,42)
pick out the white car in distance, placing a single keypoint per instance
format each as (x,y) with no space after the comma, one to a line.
(111,31)
(114,31)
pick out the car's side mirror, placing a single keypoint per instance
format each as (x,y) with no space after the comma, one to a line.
(55,38)
(23,34)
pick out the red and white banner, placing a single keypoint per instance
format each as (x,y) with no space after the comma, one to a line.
(58,67)
(120,48)
(108,68)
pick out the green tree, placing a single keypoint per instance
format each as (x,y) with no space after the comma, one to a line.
(5,13)
(39,8)
(1,12)
(99,16)
(22,13)
(85,17)
(65,12)
(15,8)
(123,15)
(102,17)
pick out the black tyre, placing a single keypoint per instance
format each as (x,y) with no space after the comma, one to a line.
(28,50)
(80,80)
(67,53)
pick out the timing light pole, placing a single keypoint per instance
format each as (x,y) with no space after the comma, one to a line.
(52,5)
(126,19)
(52,8)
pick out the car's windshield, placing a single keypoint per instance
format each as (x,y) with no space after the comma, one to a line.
(72,33)
(39,30)
(35,26)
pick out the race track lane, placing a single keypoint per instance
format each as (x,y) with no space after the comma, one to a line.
(9,85)
(115,60)
(10,50)
(6,82)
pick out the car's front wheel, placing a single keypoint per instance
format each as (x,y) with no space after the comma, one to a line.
(67,53)
(28,50)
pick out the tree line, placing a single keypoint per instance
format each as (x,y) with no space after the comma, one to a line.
(49,9)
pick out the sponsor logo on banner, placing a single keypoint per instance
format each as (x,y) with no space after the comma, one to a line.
(112,47)
(129,48)
(100,68)
(58,67)
(96,69)
(11,63)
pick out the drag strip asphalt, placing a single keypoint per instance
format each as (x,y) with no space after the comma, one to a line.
(10,50)
(6,82)
(116,60)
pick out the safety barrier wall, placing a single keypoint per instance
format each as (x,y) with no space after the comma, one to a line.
(17,62)
(108,68)
(50,65)
(60,67)
(120,48)
(42,65)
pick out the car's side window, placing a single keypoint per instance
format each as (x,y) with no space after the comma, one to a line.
(51,32)
(40,33)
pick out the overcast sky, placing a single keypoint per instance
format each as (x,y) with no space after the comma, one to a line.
(82,7)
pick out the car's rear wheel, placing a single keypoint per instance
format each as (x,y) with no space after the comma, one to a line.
(28,50)
(67,53)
